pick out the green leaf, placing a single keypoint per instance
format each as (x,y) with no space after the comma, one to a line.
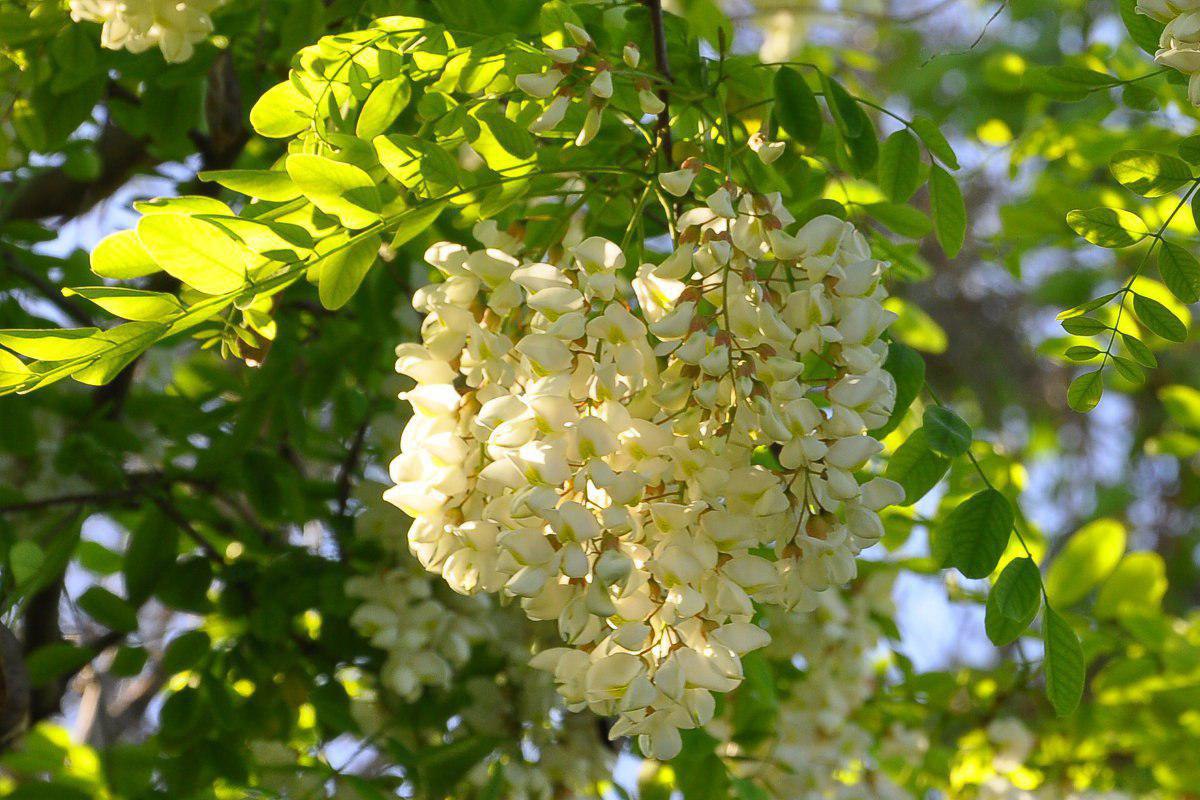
(1108,227)
(1090,305)
(53,344)
(1085,391)
(24,560)
(53,661)
(120,256)
(343,271)
(900,166)
(978,530)
(343,190)
(134,304)
(272,185)
(946,432)
(907,367)
(515,139)
(282,112)
(185,651)
(796,107)
(1082,352)
(109,610)
(196,252)
(1129,370)
(904,220)
(1084,326)
(1137,585)
(128,661)
(916,467)
(1063,663)
(153,545)
(1149,174)
(1180,272)
(1139,351)
(936,143)
(1013,602)
(949,211)
(1189,148)
(1090,555)
(386,101)
(1159,319)
(846,113)
(414,222)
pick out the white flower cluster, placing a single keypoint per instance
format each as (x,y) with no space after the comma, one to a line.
(642,474)
(174,26)
(820,750)
(1179,47)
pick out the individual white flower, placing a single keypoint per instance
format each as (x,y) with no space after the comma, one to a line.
(539,84)
(552,115)
(767,151)
(649,102)
(591,126)
(578,34)
(631,55)
(602,85)
(680,181)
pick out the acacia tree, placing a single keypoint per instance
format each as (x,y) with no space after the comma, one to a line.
(679,403)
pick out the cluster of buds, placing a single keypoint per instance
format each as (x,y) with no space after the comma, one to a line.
(174,26)
(1179,47)
(580,71)
(644,470)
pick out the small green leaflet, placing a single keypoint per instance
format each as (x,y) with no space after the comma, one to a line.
(343,190)
(900,166)
(282,112)
(53,344)
(1084,326)
(1149,174)
(1159,319)
(916,467)
(263,184)
(796,108)
(108,609)
(1085,391)
(978,530)
(344,269)
(386,101)
(1180,271)
(1090,555)
(196,252)
(1013,602)
(946,432)
(1063,663)
(121,256)
(932,136)
(1139,351)
(949,211)
(1108,227)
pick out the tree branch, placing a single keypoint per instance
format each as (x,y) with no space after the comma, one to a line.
(664,68)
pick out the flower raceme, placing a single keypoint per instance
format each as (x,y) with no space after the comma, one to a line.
(1179,46)
(174,26)
(644,470)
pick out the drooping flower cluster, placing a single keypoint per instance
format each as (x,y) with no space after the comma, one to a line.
(819,749)
(1179,46)
(643,472)
(174,26)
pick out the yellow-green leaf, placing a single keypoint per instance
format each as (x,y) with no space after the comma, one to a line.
(343,190)
(196,252)
(1090,555)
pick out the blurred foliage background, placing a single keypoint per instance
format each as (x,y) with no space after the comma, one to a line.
(176,544)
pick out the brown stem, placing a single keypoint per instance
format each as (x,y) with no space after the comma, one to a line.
(664,68)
